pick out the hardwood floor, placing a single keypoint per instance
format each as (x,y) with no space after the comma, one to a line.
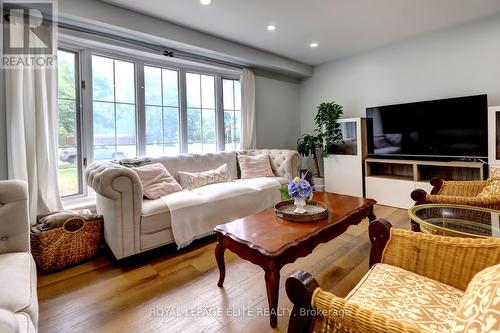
(166,291)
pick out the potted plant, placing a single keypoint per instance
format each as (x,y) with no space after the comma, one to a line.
(327,132)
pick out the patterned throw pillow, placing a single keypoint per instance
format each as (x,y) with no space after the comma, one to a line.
(479,309)
(192,180)
(255,166)
(492,188)
(156,181)
(494,172)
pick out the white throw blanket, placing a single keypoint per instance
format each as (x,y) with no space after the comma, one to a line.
(195,213)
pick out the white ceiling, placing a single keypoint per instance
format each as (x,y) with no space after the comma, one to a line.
(341,27)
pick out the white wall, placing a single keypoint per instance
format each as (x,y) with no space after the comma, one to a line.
(277,112)
(455,62)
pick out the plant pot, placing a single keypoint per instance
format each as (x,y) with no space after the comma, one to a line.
(300,205)
(319,184)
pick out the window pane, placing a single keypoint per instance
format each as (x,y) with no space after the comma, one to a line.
(170,88)
(115,119)
(232,113)
(108,153)
(194,125)
(227,88)
(104,123)
(228,126)
(208,92)
(171,125)
(193,90)
(68,151)
(68,148)
(124,82)
(125,124)
(152,85)
(237,126)
(209,126)
(154,132)
(102,79)
(66,74)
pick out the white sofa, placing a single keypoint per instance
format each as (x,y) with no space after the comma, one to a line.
(133,224)
(18,281)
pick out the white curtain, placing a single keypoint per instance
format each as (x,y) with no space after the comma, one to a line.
(248,123)
(32,120)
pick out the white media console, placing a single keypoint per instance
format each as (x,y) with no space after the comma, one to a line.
(391,182)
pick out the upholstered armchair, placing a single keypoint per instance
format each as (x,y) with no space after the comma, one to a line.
(417,283)
(460,193)
(18,282)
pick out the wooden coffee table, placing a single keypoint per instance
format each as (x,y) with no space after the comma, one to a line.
(271,242)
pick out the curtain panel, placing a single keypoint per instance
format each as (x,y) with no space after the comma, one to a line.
(248,128)
(32,121)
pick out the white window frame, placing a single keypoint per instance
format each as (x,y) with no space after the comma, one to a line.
(86,133)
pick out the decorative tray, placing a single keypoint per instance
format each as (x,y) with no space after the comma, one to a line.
(315,211)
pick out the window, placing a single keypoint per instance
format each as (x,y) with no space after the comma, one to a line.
(68,130)
(201,125)
(114,108)
(131,106)
(231,92)
(161,93)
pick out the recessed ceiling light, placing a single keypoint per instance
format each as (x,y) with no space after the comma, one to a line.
(205,2)
(314,44)
(271,27)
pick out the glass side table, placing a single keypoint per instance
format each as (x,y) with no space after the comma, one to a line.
(456,220)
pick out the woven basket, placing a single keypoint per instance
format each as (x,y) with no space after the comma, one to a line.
(75,241)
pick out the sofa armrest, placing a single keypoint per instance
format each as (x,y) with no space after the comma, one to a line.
(119,200)
(285,162)
(8,322)
(14,217)
(492,202)
(450,260)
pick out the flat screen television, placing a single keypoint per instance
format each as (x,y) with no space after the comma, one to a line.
(440,129)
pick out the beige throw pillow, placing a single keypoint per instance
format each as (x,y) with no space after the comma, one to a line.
(255,166)
(156,181)
(192,180)
(479,309)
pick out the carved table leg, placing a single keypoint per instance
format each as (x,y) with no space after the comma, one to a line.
(272,285)
(371,218)
(219,257)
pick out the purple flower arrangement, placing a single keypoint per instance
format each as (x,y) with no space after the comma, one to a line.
(299,188)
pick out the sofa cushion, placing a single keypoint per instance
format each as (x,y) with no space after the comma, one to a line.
(406,296)
(255,166)
(155,216)
(479,309)
(18,284)
(156,181)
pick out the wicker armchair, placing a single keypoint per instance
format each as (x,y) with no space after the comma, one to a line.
(456,192)
(445,261)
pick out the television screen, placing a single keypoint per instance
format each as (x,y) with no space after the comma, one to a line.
(453,127)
